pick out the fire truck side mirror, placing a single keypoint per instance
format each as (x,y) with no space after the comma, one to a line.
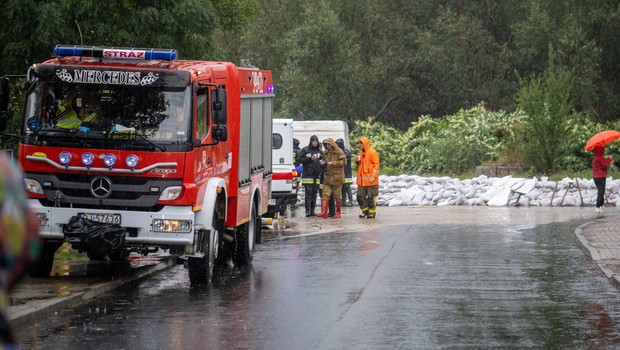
(218,100)
(220,133)
(4,102)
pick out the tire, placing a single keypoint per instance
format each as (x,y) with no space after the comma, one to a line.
(96,255)
(120,255)
(201,269)
(44,267)
(246,238)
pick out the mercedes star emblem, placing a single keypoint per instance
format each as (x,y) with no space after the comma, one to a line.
(101,187)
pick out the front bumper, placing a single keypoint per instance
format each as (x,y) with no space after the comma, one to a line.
(138,224)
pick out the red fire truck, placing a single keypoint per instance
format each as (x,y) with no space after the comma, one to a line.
(177,153)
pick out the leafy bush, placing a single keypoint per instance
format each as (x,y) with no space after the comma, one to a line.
(456,144)
(451,145)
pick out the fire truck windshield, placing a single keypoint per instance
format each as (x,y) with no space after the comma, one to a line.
(120,116)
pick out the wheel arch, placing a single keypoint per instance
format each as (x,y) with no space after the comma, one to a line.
(216,191)
(257,199)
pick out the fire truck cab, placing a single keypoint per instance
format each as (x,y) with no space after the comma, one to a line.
(175,152)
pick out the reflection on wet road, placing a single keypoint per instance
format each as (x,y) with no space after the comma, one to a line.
(499,284)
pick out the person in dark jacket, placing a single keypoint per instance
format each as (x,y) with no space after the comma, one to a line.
(298,167)
(310,158)
(599,174)
(347,196)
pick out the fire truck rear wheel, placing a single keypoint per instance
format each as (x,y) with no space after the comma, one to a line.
(246,237)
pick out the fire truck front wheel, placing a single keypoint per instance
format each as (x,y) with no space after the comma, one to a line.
(201,269)
(44,266)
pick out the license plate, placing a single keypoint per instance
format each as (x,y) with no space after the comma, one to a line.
(272,201)
(104,218)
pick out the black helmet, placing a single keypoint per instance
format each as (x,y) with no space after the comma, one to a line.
(340,143)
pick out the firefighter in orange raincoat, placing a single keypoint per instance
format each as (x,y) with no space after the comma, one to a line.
(367,179)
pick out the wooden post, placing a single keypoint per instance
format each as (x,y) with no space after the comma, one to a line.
(565,193)
(553,194)
(579,189)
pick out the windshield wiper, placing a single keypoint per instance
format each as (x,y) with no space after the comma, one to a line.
(146,139)
(68,132)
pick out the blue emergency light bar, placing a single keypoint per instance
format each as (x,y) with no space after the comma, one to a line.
(115,52)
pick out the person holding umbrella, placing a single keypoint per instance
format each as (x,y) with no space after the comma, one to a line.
(599,174)
(600,164)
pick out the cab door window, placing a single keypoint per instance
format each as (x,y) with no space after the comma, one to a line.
(202,117)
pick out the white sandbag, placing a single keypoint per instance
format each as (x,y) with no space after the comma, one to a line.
(490,193)
(471,193)
(471,201)
(614,187)
(500,198)
(550,184)
(524,201)
(418,198)
(444,203)
(395,202)
(459,200)
(481,202)
(526,186)
(438,196)
(534,194)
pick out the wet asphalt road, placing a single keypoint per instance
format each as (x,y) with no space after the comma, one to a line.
(510,279)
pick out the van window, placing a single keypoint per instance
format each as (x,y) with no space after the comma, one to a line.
(276,143)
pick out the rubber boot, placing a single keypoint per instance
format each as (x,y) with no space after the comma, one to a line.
(338,209)
(324,206)
(308,207)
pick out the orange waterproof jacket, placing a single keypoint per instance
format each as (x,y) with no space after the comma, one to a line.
(367,165)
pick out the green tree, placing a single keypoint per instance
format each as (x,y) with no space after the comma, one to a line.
(317,49)
(31,28)
(545,99)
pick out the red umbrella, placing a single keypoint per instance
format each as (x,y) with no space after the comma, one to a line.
(602,139)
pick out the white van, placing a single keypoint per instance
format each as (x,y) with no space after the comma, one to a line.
(284,178)
(336,129)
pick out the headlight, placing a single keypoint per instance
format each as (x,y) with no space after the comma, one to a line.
(64,158)
(177,226)
(88,158)
(171,193)
(109,160)
(131,161)
(33,186)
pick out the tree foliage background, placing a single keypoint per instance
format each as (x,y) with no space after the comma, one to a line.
(400,65)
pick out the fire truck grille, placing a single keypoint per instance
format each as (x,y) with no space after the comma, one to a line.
(102,192)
